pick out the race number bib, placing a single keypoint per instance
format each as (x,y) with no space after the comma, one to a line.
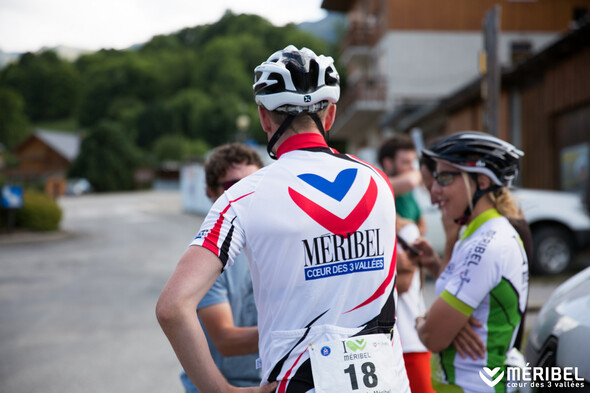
(363,364)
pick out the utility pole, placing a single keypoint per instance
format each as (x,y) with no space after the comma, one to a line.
(489,66)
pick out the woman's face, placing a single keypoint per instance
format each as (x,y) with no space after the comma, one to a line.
(452,197)
(428,181)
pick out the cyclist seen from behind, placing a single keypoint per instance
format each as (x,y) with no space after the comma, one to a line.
(487,275)
(317,228)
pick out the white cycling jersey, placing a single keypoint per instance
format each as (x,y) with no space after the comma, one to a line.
(487,277)
(411,303)
(318,229)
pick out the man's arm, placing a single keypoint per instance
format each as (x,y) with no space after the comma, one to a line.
(405,182)
(230,340)
(421,223)
(194,275)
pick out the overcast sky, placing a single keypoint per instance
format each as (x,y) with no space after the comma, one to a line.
(28,25)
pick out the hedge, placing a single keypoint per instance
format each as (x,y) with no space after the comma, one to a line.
(39,212)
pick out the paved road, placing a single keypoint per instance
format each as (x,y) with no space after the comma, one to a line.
(77,310)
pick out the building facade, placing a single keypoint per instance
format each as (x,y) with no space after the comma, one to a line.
(401,56)
(544,108)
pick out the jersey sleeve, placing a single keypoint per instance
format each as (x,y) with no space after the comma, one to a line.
(476,274)
(221,233)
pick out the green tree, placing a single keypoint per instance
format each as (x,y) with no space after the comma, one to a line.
(14,125)
(107,77)
(50,86)
(191,110)
(154,122)
(126,111)
(223,70)
(107,158)
(176,68)
(179,148)
(192,84)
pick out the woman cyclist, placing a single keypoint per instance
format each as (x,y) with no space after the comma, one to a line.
(487,275)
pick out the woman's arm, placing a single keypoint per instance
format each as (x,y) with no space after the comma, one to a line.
(440,325)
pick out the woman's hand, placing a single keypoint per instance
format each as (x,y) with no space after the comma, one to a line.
(426,257)
(468,343)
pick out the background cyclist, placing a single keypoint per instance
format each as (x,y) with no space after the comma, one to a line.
(487,275)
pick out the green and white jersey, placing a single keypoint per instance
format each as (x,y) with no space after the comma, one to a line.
(487,277)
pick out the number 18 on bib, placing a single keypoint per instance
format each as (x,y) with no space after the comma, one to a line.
(363,364)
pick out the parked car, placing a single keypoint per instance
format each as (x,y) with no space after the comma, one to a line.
(559,221)
(78,186)
(559,336)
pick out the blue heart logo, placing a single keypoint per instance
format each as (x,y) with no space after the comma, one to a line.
(336,189)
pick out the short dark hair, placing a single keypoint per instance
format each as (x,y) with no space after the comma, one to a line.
(391,146)
(302,120)
(224,157)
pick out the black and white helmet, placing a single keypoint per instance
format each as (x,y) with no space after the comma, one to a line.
(295,81)
(477,152)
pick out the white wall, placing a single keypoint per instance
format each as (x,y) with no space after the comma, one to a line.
(192,189)
(425,65)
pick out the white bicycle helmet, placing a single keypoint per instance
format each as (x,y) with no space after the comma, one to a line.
(295,81)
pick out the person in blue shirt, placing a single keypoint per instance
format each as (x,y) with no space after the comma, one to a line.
(228,312)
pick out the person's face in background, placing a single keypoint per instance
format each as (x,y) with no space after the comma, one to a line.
(235,173)
(404,161)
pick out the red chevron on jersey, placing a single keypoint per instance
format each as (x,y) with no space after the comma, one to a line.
(383,287)
(329,220)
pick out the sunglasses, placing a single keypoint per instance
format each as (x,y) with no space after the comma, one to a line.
(444,178)
(228,184)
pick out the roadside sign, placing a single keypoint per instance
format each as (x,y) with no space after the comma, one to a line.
(12,197)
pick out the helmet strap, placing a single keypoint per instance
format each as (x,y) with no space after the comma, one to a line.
(478,194)
(277,135)
(283,127)
(314,116)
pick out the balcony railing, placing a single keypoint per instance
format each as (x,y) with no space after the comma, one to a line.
(360,34)
(366,89)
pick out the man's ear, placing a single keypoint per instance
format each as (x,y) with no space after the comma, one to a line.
(330,117)
(211,194)
(483,181)
(388,165)
(265,120)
